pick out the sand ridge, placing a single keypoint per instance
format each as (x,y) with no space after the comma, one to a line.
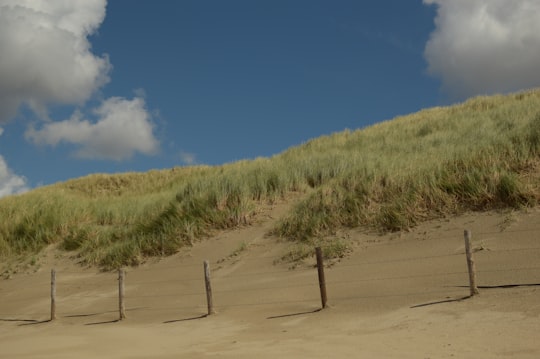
(396,296)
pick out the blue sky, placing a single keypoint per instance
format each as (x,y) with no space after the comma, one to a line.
(90,86)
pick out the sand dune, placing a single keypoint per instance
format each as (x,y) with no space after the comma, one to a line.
(396,296)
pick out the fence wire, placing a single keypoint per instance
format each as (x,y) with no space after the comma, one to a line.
(87,288)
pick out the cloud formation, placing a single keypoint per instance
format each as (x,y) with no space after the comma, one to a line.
(485,46)
(123,127)
(10,183)
(46,56)
(46,59)
(188,158)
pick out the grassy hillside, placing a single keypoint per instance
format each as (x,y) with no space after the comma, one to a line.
(482,154)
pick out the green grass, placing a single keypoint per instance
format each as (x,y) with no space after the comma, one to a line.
(478,155)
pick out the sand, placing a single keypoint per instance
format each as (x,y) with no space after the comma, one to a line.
(402,295)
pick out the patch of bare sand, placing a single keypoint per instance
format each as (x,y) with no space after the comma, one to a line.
(396,296)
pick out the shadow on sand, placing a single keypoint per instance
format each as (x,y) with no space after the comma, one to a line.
(295,314)
(441,301)
(186,319)
(499,286)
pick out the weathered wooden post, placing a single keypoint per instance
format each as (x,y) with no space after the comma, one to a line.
(53,294)
(320,270)
(470,264)
(208,285)
(121,303)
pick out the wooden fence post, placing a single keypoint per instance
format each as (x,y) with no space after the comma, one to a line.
(121,303)
(470,264)
(53,294)
(208,284)
(320,270)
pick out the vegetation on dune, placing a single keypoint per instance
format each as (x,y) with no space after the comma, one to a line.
(482,154)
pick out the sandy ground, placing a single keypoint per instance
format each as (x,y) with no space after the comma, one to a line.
(396,296)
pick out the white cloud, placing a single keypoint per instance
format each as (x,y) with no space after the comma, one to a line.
(485,46)
(188,158)
(123,127)
(46,57)
(10,183)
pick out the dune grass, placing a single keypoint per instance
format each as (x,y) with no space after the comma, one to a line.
(478,155)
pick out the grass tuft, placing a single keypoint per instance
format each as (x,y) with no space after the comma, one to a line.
(479,155)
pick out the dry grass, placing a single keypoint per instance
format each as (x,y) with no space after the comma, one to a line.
(481,154)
